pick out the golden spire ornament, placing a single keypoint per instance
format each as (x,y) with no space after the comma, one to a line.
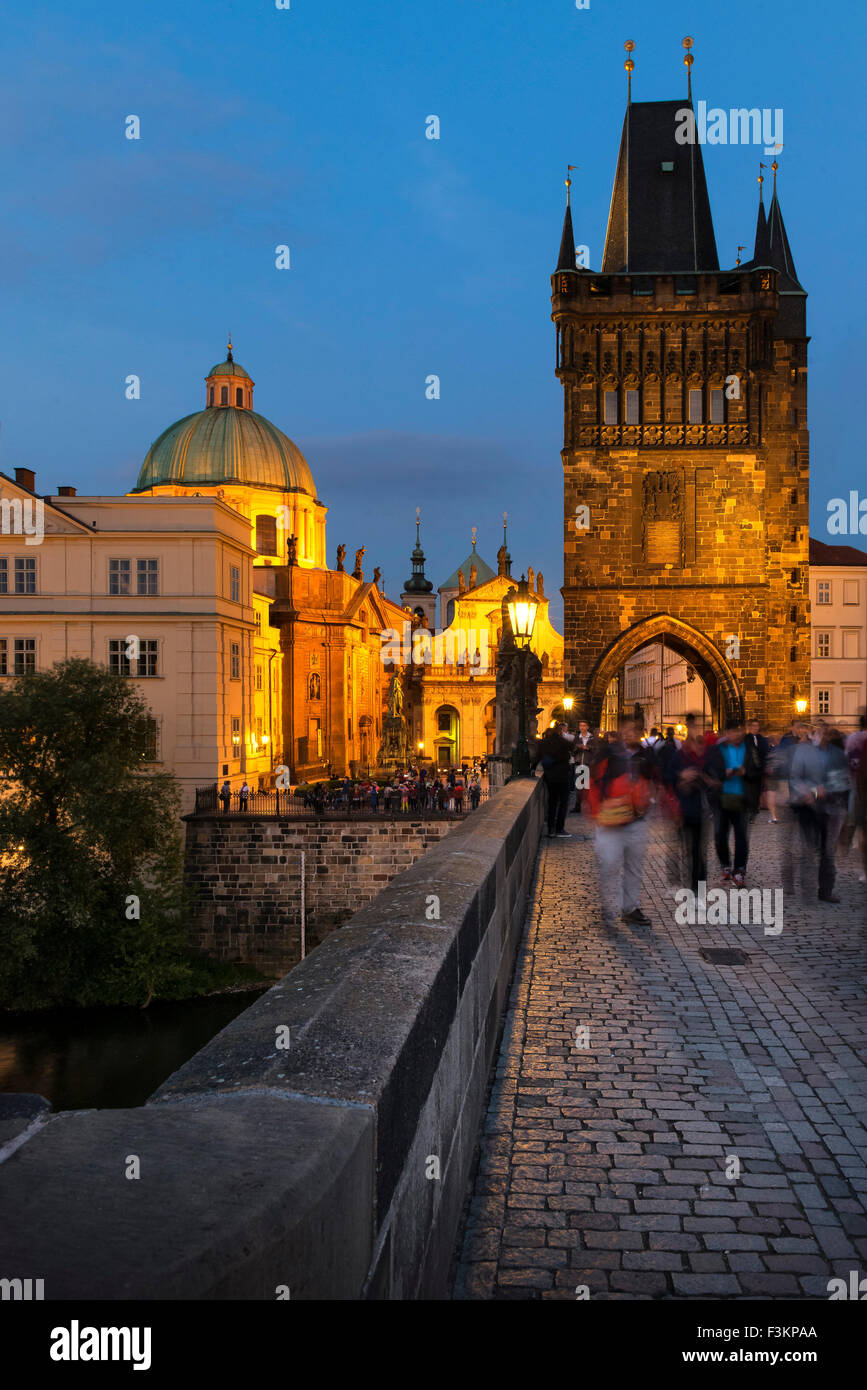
(630,68)
(569,168)
(688,60)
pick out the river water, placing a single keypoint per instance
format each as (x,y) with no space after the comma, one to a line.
(80,1059)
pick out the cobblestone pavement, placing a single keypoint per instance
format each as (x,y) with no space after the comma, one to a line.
(606,1166)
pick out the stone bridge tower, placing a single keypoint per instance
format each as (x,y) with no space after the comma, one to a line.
(685,450)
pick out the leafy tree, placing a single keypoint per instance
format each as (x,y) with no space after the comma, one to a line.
(92,904)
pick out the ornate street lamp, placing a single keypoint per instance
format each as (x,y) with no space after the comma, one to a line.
(522,605)
(801,705)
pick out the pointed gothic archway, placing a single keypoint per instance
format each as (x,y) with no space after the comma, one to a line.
(718,676)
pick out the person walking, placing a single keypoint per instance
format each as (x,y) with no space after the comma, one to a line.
(475,793)
(226,796)
(684,777)
(757,751)
(816,777)
(725,771)
(554,753)
(244,796)
(620,793)
(583,755)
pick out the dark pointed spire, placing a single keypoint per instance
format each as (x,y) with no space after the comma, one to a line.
(779,254)
(760,254)
(566,258)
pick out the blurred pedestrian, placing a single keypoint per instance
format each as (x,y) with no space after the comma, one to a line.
(620,794)
(724,768)
(554,754)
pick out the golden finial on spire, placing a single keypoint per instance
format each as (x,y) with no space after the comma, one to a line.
(569,168)
(740,249)
(775,166)
(505,519)
(630,68)
(229,357)
(688,60)
(475,528)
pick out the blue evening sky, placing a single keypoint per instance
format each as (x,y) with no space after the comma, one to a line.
(408,256)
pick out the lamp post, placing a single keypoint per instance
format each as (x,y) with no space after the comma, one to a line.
(801,706)
(521,605)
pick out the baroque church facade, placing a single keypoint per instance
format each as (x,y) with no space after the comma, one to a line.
(685,443)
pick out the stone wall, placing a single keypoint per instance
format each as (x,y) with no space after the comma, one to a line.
(246,871)
(336,1166)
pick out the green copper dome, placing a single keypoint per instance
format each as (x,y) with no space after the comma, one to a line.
(226,445)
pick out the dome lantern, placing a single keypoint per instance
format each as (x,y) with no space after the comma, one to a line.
(228,384)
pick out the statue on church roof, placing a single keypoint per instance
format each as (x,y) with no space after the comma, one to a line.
(462,583)
(540,590)
(473,574)
(292,550)
(377,575)
(341,556)
(359,556)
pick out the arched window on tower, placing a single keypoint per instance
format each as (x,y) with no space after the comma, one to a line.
(266,534)
(210,395)
(224,395)
(239,395)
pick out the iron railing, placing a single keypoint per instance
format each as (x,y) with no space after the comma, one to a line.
(336,805)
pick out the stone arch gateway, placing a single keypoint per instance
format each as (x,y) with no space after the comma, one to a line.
(723,687)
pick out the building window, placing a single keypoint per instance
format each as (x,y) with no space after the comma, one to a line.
(235,661)
(4,657)
(631,407)
(610,407)
(258,675)
(210,395)
(266,534)
(25,655)
(823,644)
(235,584)
(224,395)
(147,576)
(823,701)
(239,395)
(4,575)
(25,574)
(823,591)
(259,729)
(118,576)
(850,590)
(717,408)
(236,737)
(147,658)
(695,407)
(257,619)
(151,752)
(118,660)
(850,644)
(444,722)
